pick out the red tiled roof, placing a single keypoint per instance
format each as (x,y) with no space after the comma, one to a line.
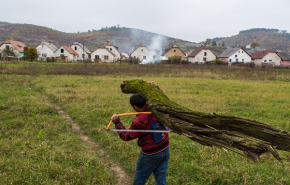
(16,44)
(141,45)
(70,50)
(261,54)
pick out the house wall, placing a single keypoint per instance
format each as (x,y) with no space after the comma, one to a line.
(115,51)
(285,63)
(3,47)
(140,53)
(201,55)
(70,57)
(43,49)
(271,58)
(79,50)
(240,56)
(257,62)
(102,52)
(175,51)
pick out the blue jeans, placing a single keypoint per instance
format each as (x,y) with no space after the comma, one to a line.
(156,163)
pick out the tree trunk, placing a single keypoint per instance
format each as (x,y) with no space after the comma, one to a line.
(246,137)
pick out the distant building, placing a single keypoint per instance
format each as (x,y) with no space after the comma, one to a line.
(174,51)
(285,57)
(66,53)
(141,53)
(257,56)
(14,46)
(83,52)
(235,55)
(103,54)
(201,55)
(113,49)
(46,50)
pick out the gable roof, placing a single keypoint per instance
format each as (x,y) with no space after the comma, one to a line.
(174,46)
(261,54)
(197,50)
(82,46)
(229,52)
(16,44)
(70,50)
(51,46)
(284,56)
(103,47)
(140,45)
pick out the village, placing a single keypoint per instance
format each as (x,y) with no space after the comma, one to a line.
(108,53)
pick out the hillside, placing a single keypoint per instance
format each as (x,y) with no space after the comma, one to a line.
(125,38)
(267,38)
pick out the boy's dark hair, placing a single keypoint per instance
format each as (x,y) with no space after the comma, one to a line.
(137,100)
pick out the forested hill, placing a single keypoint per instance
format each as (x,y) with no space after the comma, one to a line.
(267,38)
(125,38)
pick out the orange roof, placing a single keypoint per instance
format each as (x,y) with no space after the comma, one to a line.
(16,44)
(70,50)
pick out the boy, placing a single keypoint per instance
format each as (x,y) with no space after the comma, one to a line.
(154,156)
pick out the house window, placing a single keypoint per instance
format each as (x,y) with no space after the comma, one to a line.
(62,50)
(106,57)
(236,55)
(242,51)
(97,56)
(265,60)
(44,55)
(237,60)
(83,55)
(243,60)
(110,49)
(230,60)
(142,50)
(270,60)
(7,47)
(76,48)
(205,53)
(144,57)
(238,51)
(134,57)
(204,58)
(174,50)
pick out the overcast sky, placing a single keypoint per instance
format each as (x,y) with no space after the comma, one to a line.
(190,20)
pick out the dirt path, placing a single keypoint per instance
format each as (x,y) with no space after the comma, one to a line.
(122,177)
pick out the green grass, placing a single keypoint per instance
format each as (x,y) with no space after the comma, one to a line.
(91,101)
(37,146)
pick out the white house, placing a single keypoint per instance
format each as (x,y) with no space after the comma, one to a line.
(113,49)
(46,50)
(201,55)
(257,56)
(235,55)
(102,54)
(83,52)
(141,53)
(272,58)
(66,53)
(15,47)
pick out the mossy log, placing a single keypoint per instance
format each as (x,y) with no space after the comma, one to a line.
(246,137)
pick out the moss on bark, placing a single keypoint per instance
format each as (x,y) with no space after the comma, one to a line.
(246,137)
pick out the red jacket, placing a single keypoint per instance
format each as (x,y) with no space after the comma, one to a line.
(145,141)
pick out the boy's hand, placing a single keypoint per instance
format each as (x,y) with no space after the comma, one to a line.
(114,117)
(153,83)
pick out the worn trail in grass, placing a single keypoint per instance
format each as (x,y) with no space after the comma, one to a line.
(121,176)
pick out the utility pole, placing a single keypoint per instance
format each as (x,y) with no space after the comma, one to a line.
(83,51)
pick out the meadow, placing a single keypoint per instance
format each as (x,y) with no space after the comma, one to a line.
(38,147)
